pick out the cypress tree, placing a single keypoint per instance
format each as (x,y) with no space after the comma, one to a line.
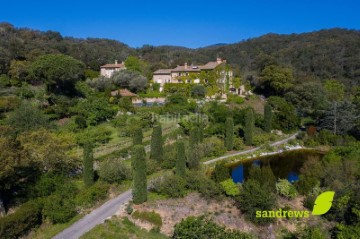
(88,164)
(180,159)
(267,117)
(138,165)
(156,144)
(229,133)
(249,127)
(194,157)
(138,136)
(194,136)
(200,131)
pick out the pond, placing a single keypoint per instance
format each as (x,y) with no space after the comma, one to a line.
(285,165)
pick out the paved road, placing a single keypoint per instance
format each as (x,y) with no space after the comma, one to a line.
(250,150)
(110,208)
(96,217)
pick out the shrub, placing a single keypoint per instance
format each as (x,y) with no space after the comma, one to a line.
(93,194)
(238,143)
(286,189)
(221,172)
(204,185)
(256,197)
(231,98)
(151,217)
(231,189)
(260,139)
(212,147)
(19,223)
(114,171)
(202,228)
(60,207)
(171,185)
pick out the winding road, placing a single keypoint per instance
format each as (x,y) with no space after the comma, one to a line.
(110,208)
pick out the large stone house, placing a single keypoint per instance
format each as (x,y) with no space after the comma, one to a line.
(109,69)
(191,73)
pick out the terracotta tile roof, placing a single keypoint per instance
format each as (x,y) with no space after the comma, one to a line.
(123,93)
(210,65)
(113,66)
(162,72)
(186,69)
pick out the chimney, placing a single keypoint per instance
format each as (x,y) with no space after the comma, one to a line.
(185,65)
(219,60)
(115,62)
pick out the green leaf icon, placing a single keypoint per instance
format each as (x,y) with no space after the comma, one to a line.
(323,203)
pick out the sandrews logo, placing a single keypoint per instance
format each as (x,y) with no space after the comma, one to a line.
(322,205)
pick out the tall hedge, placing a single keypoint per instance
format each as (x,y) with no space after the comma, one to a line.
(249,127)
(138,164)
(156,144)
(180,159)
(229,133)
(88,165)
(267,117)
(138,136)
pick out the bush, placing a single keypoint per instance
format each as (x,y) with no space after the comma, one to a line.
(204,185)
(202,228)
(231,189)
(286,189)
(60,207)
(256,197)
(238,143)
(151,217)
(93,194)
(114,171)
(234,99)
(47,184)
(25,218)
(171,185)
(221,172)
(212,147)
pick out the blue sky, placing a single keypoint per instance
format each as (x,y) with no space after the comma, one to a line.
(181,22)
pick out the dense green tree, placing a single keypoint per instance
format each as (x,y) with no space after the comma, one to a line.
(285,116)
(88,165)
(180,159)
(198,91)
(130,80)
(59,72)
(133,63)
(50,151)
(267,118)
(276,80)
(335,92)
(249,127)
(264,176)
(138,163)
(138,136)
(254,197)
(229,133)
(27,117)
(156,146)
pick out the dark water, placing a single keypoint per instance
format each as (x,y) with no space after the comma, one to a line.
(284,165)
